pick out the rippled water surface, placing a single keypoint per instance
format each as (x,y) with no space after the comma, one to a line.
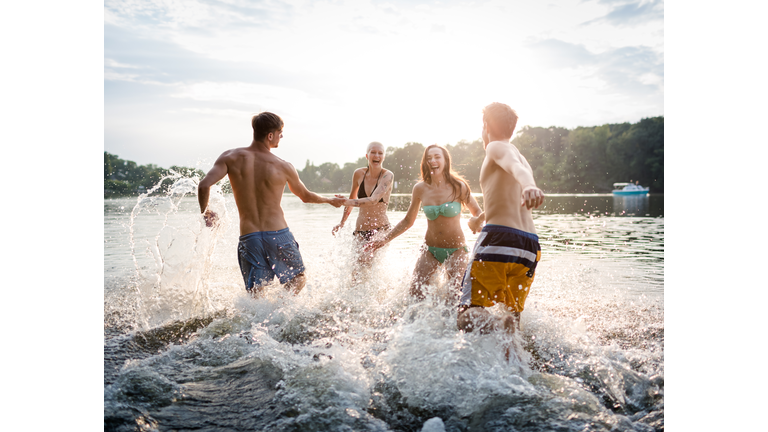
(185,347)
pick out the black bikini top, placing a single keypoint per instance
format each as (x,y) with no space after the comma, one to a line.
(361,191)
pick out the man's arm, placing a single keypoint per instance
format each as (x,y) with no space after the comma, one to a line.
(298,188)
(510,160)
(386,182)
(216,173)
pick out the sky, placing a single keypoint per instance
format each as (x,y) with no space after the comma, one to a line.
(183,79)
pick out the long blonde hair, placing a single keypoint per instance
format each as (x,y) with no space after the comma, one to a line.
(452,177)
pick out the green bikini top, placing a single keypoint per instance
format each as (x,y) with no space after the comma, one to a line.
(449,209)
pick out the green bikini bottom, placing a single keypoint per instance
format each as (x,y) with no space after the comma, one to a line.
(442,254)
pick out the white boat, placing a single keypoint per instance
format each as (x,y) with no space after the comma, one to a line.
(629,189)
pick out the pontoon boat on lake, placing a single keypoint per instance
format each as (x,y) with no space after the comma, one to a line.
(629,189)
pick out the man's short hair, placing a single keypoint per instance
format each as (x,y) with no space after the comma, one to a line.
(264,123)
(501,120)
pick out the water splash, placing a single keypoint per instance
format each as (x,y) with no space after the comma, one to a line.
(357,354)
(172,252)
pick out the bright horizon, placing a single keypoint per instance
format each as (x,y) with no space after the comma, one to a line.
(181,81)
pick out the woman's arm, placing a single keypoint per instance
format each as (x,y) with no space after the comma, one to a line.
(387,180)
(471,202)
(348,210)
(478,215)
(407,222)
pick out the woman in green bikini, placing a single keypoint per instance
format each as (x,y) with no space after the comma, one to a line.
(443,193)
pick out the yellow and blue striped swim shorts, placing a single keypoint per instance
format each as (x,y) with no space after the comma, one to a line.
(501,268)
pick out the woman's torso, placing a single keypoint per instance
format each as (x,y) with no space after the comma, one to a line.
(444,230)
(372,216)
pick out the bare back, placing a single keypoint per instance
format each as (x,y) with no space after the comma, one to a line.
(258,180)
(501,190)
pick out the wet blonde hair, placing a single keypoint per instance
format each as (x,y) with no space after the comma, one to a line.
(373,143)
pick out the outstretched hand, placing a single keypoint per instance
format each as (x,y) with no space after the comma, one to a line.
(337,201)
(211,218)
(373,246)
(475,223)
(346,201)
(336,229)
(532,197)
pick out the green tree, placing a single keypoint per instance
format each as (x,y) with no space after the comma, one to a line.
(123,177)
(585,159)
(638,153)
(404,163)
(467,159)
(348,171)
(546,150)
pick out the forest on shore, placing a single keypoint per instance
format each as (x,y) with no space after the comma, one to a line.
(126,178)
(580,160)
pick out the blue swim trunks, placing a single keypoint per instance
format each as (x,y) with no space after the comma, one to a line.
(265,254)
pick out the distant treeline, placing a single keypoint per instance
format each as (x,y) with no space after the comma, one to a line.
(123,177)
(581,160)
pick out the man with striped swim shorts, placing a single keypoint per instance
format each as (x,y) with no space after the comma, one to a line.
(503,261)
(502,268)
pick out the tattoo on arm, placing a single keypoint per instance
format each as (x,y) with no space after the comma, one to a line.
(378,194)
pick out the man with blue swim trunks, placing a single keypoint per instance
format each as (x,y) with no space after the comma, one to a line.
(267,247)
(503,261)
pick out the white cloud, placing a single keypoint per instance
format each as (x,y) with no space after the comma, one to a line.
(238,114)
(262,97)
(238,92)
(651,79)
(390,71)
(108,62)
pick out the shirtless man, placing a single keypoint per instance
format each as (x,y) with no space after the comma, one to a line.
(507,250)
(266,248)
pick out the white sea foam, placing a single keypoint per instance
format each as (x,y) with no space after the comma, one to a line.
(356,352)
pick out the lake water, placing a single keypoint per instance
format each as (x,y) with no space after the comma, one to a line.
(185,347)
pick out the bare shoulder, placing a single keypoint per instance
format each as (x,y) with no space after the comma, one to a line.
(499,149)
(389,175)
(465,189)
(499,146)
(233,154)
(228,154)
(284,165)
(419,189)
(358,174)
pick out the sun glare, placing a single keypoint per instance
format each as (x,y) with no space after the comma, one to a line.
(343,74)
